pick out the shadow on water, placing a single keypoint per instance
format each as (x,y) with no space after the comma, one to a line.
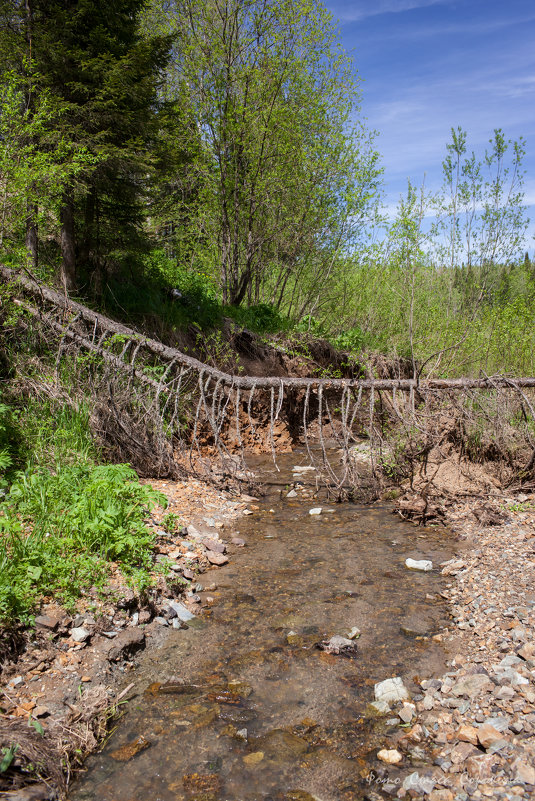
(274,717)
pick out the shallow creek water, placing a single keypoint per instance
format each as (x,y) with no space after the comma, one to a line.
(275,717)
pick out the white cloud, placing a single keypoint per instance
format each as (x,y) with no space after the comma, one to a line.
(371,8)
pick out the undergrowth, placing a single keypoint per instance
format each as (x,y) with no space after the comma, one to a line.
(64,519)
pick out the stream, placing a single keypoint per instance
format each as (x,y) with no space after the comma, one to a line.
(273,717)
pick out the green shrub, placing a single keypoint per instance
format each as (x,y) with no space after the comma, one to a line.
(58,533)
(262,318)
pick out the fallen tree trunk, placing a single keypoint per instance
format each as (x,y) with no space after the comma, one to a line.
(63,302)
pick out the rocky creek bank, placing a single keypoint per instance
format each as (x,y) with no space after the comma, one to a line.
(467,734)
(66,681)
(470,734)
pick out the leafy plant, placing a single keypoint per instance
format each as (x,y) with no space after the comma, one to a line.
(59,532)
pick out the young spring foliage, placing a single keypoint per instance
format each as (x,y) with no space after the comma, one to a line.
(287,168)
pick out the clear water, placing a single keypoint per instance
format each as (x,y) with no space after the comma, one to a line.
(275,717)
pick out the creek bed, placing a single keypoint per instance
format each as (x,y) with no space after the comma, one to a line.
(273,716)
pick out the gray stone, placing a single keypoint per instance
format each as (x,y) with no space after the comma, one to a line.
(415,627)
(406,714)
(379,707)
(212,545)
(338,645)
(181,611)
(421,784)
(216,558)
(511,677)
(472,686)
(161,621)
(80,634)
(500,723)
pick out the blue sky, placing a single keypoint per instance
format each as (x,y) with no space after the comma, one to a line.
(428,65)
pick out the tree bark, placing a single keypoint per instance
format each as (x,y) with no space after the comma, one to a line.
(68,245)
(32,238)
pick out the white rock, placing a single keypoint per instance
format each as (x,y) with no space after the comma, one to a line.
(291,494)
(354,633)
(419,564)
(391,690)
(316,511)
(390,757)
(302,468)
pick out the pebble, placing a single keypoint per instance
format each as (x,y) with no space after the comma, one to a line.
(391,757)
(216,558)
(419,564)
(316,511)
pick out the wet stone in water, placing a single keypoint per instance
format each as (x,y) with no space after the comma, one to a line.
(126,752)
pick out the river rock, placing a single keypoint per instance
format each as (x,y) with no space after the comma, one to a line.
(419,564)
(47,622)
(480,767)
(354,633)
(194,533)
(181,611)
(254,758)
(472,686)
(80,634)
(390,757)
(338,645)
(421,784)
(316,511)
(415,627)
(488,735)
(379,708)
(407,713)
(216,547)
(467,734)
(391,690)
(523,773)
(216,558)
(282,746)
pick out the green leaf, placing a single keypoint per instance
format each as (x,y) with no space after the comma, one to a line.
(8,757)
(36,725)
